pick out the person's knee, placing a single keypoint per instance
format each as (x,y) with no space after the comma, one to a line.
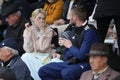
(41,72)
(65,74)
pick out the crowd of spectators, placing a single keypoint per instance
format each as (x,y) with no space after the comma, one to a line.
(55,39)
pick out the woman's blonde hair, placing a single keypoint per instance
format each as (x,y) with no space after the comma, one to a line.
(36,12)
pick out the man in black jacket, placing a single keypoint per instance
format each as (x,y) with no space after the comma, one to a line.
(23,7)
(16,25)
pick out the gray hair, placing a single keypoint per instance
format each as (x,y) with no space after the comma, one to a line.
(18,13)
(14,52)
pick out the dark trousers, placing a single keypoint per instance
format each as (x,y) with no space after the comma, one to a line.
(103,24)
(61,70)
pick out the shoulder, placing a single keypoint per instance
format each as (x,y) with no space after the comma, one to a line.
(109,73)
(17,64)
(90,28)
(19,61)
(86,73)
(113,71)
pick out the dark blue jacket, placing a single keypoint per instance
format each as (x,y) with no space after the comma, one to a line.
(89,37)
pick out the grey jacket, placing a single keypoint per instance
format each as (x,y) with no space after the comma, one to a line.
(19,68)
(109,74)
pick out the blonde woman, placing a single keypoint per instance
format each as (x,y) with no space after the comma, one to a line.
(37,42)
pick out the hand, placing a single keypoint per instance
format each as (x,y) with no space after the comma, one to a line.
(27,25)
(60,41)
(65,42)
(28,30)
(56,55)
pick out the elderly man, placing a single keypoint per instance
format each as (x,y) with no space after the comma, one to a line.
(98,58)
(23,6)
(16,25)
(10,59)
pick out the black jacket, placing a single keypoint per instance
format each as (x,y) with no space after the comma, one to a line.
(107,8)
(16,32)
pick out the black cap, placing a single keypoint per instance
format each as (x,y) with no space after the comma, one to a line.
(99,49)
(9,10)
(10,42)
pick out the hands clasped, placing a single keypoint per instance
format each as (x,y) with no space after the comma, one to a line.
(65,42)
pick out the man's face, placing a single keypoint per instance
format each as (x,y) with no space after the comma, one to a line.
(3,54)
(12,19)
(97,63)
(72,18)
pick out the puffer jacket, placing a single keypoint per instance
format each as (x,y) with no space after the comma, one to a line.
(53,10)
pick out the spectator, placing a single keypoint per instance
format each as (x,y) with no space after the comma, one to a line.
(98,58)
(74,3)
(37,42)
(76,49)
(7,74)
(23,7)
(104,13)
(54,9)
(21,4)
(16,25)
(10,59)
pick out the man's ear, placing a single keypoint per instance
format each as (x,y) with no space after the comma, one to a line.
(105,59)
(76,18)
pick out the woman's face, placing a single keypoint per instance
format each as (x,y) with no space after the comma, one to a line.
(51,1)
(39,21)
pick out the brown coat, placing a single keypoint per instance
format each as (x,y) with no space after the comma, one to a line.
(109,74)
